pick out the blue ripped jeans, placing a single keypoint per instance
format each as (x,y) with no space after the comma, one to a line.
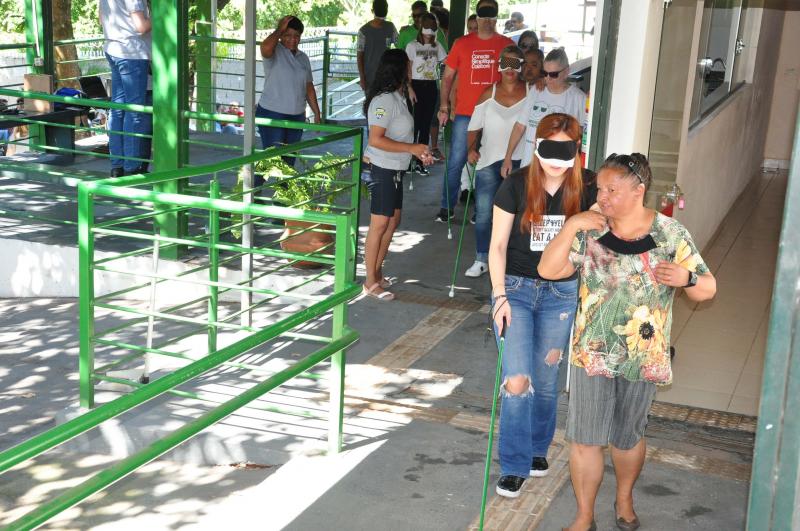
(542,313)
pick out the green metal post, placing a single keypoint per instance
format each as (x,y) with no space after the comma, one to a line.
(458,20)
(38,33)
(775,481)
(170,37)
(337,372)
(204,85)
(326,66)
(86,296)
(604,82)
(213,270)
(344,275)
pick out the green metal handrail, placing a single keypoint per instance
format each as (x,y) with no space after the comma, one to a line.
(128,465)
(77,102)
(143,190)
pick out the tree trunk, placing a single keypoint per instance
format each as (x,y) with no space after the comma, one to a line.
(62,29)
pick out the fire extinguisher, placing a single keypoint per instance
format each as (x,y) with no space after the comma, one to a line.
(670,198)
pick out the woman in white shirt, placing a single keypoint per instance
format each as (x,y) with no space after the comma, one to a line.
(487,137)
(425,55)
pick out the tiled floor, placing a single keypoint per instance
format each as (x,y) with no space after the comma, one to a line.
(720,344)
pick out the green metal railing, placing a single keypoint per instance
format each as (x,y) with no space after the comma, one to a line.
(215,210)
(335,74)
(775,480)
(37,140)
(91,60)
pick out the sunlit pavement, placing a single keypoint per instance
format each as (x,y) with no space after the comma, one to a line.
(417,416)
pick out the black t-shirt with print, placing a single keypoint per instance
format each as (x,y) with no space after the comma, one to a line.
(525,248)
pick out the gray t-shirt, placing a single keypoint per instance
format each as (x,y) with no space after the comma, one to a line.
(122,39)
(373,42)
(539,104)
(390,112)
(285,78)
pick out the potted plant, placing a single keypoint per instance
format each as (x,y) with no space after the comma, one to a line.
(305,193)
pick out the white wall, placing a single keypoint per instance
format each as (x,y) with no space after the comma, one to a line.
(636,63)
(786,95)
(33,269)
(723,153)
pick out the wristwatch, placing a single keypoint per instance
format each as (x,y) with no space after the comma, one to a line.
(692,280)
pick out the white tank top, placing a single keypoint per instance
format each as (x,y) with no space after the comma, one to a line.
(497,121)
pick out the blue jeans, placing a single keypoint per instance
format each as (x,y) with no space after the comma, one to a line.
(456,158)
(128,85)
(542,313)
(277,136)
(487,181)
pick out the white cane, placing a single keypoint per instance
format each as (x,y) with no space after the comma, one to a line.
(569,359)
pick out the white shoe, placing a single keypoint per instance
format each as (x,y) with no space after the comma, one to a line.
(477,269)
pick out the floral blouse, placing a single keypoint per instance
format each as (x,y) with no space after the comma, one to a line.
(623,323)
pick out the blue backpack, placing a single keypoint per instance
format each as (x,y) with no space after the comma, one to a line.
(70,92)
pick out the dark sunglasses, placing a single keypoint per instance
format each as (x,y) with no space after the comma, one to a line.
(552,74)
(627,160)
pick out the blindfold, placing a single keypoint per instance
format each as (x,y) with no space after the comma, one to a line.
(510,63)
(487,12)
(558,153)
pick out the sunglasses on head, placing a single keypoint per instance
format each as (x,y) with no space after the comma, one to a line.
(510,63)
(627,160)
(552,74)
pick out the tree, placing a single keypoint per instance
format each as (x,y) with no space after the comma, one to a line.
(62,30)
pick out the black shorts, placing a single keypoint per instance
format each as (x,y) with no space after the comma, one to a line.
(385,191)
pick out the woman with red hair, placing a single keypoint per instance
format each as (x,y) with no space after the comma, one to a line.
(530,207)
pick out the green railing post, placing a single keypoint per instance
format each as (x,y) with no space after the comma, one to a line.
(204,85)
(39,54)
(326,66)
(86,296)
(775,480)
(213,270)
(344,275)
(169,66)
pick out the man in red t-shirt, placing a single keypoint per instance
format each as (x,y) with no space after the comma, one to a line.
(474,58)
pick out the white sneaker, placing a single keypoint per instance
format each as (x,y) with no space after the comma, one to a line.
(477,269)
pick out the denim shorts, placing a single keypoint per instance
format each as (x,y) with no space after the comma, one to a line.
(605,411)
(385,191)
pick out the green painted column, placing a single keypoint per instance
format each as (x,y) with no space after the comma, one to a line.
(458,19)
(203,63)
(39,33)
(170,130)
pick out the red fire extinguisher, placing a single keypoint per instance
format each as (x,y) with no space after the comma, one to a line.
(670,199)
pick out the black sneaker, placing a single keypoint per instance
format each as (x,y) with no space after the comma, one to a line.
(420,168)
(464,196)
(509,486)
(539,467)
(472,219)
(117,172)
(441,217)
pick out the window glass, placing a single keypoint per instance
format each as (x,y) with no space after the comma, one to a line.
(717,54)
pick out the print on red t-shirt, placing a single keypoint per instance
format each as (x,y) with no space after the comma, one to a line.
(475,61)
(483,67)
